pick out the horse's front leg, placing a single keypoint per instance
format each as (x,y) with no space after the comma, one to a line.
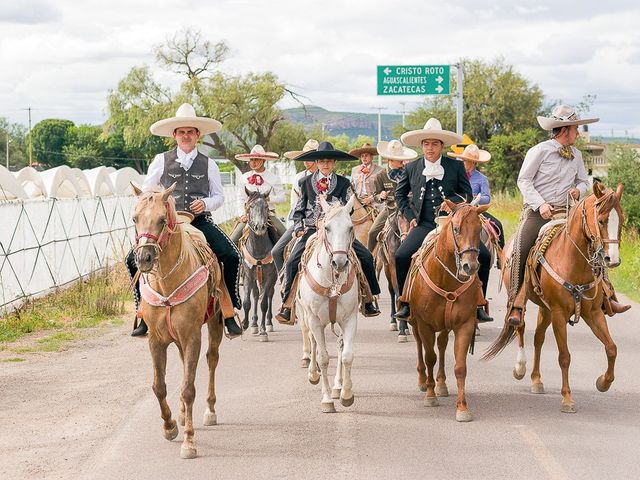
(441,377)
(428,337)
(306,342)
(318,334)
(520,367)
(256,300)
(544,320)
(337,380)
(246,301)
(213,355)
(598,324)
(269,293)
(264,306)
(348,335)
(559,323)
(159,359)
(463,337)
(188,394)
(421,367)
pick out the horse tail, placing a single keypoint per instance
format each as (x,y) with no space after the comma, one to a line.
(507,334)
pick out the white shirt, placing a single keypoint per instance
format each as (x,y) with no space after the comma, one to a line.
(156,169)
(433,169)
(271,181)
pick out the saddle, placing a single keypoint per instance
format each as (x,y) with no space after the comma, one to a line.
(185,219)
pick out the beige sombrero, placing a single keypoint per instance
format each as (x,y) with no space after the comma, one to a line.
(432,130)
(394,150)
(185,117)
(472,153)
(365,148)
(257,153)
(563,116)
(308,147)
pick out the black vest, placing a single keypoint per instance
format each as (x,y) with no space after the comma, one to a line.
(431,200)
(192,184)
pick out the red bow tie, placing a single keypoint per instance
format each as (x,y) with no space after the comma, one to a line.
(365,169)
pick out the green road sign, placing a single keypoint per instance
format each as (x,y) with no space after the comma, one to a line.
(413,79)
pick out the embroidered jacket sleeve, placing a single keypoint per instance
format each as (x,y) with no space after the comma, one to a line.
(402,194)
(300,212)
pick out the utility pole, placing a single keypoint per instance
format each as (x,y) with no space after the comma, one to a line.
(403,111)
(460,103)
(379,121)
(8,142)
(30,139)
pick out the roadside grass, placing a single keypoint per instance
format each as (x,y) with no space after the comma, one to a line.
(98,299)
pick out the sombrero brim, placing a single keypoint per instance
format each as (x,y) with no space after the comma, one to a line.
(407,153)
(356,152)
(245,157)
(550,123)
(484,156)
(293,154)
(325,154)
(415,137)
(166,127)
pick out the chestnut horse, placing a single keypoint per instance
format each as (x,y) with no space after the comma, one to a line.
(171,263)
(362,218)
(570,281)
(443,297)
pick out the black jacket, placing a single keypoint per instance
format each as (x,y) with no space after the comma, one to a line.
(455,185)
(308,208)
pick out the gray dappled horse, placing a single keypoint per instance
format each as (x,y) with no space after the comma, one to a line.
(259,270)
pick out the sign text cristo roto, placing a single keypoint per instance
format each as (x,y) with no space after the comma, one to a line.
(413,79)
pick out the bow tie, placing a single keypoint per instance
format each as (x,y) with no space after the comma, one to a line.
(364,169)
(433,170)
(565,152)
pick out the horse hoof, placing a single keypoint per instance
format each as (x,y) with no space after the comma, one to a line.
(328,407)
(254,330)
(314,380)
(518,376)
(347,402)
(537,388)
(568,408)
(601,384)
(210,418)
(402,339)
(463,416)
(171,433)
(393,327)
(442,391)
(269,328)
(422,387)
(264,337)
(431,402)
(188,452)
(304,363)
(335,393)
(181,419)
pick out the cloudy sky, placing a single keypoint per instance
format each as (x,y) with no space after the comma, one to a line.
(61,57)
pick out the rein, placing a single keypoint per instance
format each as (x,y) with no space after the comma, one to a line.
(369,214)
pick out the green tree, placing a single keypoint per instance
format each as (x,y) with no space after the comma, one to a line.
(624,162)
(49,138)
(497,101)
(17,146)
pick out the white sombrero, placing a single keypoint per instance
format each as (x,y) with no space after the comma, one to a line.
(432,130)
(257,153)
(472,153)
(563,116)
(308,147)
(185,117)
(394,150)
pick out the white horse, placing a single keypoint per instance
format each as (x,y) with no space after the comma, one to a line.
(328,294)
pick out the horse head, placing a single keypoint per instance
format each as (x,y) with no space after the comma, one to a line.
(257,207)
(464,237)
(155,219)
(337,232)
(604,220)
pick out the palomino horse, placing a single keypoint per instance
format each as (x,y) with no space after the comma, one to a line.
(443,297)
(174,269)
(569,280)
(259,270)
(362,218)
(395,229)
(328,294)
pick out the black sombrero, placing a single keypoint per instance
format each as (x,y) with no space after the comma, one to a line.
(325,151)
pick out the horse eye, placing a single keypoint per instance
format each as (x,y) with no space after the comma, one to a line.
(135,219)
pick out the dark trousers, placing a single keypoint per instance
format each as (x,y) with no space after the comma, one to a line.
(293,264)
(222,246)
(277,252)
(412,243)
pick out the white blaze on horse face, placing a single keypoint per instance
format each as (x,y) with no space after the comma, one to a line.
(612,229)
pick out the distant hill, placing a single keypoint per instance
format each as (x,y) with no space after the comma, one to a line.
(622,140)
(350,123)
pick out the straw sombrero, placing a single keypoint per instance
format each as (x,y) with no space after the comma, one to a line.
(432,130)
(365,148)
(472,153)
(325,151)
(185,117)
(257,153)
(309,146)
(563,116)
(394,150)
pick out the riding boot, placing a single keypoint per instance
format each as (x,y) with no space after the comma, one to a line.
(483,316)
(371,309)
(617,307)
(232,329)
(403,312)
(140,330)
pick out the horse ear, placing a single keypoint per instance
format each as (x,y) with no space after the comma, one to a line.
(482,208)
(452,205)
(598,189)
(266,195)
(323,203)
(247,191)
(169,191)
(136,188)
(350,202)
(619,191)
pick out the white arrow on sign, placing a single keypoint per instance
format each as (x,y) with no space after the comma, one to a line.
(439,79)
(439,88)
(387,71)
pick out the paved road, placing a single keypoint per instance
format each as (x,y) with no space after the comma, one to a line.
(271,425)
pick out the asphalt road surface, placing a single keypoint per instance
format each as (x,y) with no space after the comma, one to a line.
(89,412)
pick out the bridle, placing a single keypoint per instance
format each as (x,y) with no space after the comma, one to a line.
(158,242)
(456,249)
(331,252)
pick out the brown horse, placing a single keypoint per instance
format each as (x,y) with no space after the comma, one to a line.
(174,269)
(443,297)
(362,218)
(567,279)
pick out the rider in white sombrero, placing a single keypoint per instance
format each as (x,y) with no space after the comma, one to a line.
(432,130)
(259,179)
(198,191)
